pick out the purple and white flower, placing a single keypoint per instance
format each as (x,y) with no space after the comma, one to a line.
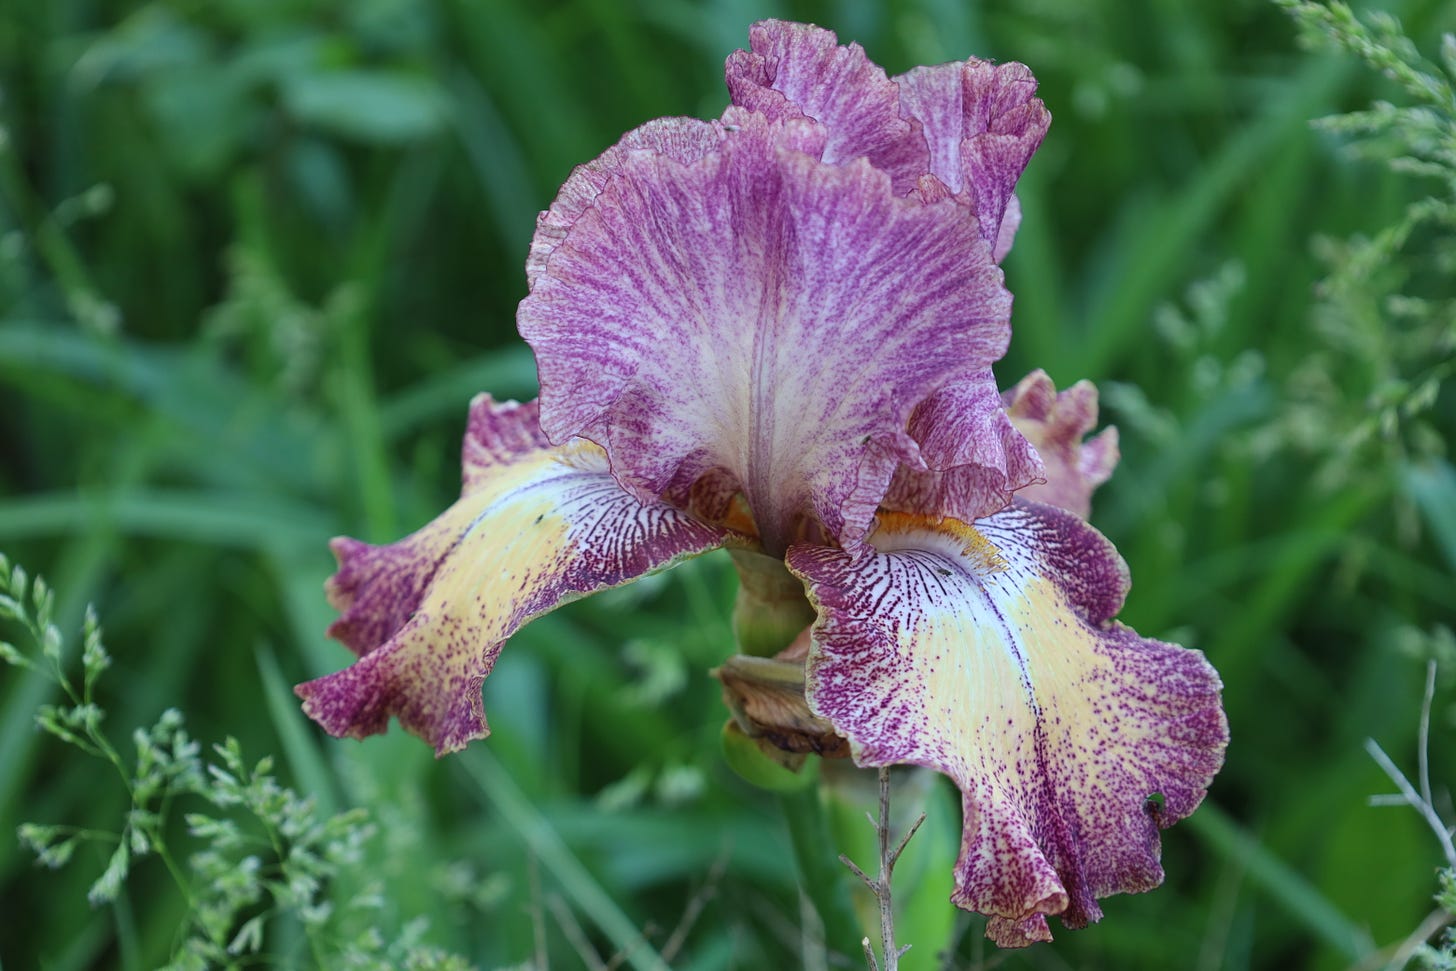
(774,332)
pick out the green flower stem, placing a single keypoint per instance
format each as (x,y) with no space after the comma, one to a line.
(821,876)
(771,609)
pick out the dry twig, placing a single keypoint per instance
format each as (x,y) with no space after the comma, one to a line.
(880,886)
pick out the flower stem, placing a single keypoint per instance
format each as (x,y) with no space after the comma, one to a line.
(819,878)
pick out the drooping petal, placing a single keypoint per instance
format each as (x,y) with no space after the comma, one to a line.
(762,314)
(792,70)
(536,526)
(982,122)
(989,654)
(1056,423)
(974,456)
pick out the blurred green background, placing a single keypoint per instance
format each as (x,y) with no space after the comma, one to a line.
(256,256)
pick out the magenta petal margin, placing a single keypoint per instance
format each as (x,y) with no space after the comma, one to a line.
(982,122)
(798,70)
(536,525)
(971,125)
(989,653)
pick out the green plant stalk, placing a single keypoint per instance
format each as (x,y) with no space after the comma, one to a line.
(362,425)
(498,788)
(822,877)
(1283,885)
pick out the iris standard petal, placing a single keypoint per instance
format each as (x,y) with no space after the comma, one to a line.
(1056,423)
(536,525)
(974,457)
(989,654)
(982,122)
(683,139)
(792,70)
(763,314)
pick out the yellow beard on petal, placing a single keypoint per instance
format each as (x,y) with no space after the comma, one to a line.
(969,542)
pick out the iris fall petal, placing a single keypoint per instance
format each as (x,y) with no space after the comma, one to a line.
(989,653)
(536,526)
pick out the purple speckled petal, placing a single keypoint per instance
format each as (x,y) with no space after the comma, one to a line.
(762,314)
(536,526)
(1056,423)
(974,457)
(982,122)
(989,653)
(683,139)
(793,70)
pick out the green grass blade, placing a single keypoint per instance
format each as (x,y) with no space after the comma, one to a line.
(309,770)
(206,517)
(1283,885)
(497,787)
(1433,487)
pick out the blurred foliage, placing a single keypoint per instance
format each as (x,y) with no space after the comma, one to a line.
(256,255)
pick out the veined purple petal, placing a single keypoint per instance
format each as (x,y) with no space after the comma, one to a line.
(760,314)
(1056,423)
(683,139)
(536,525)
(989,653)
(982,122)
(792,70)
(974,456)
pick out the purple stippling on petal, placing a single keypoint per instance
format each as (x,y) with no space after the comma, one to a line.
(982,122)
(682,139)
(989,653)
(536,525)
(792,70)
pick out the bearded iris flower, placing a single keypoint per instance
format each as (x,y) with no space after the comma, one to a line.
(774,333)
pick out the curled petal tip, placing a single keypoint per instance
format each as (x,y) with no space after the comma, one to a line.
(1057,424)
(972,458)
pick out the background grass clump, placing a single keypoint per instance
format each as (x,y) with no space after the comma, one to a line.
(256,257)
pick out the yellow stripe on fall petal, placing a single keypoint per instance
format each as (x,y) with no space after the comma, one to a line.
(988,652)
(537,525)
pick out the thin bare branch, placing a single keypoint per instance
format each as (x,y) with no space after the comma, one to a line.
(575,936)
(625,954)
(880,885)
(538,917)
(854,868)
(694,909)
(1413,798)
(870,955)
(1423,753)
(914,828)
